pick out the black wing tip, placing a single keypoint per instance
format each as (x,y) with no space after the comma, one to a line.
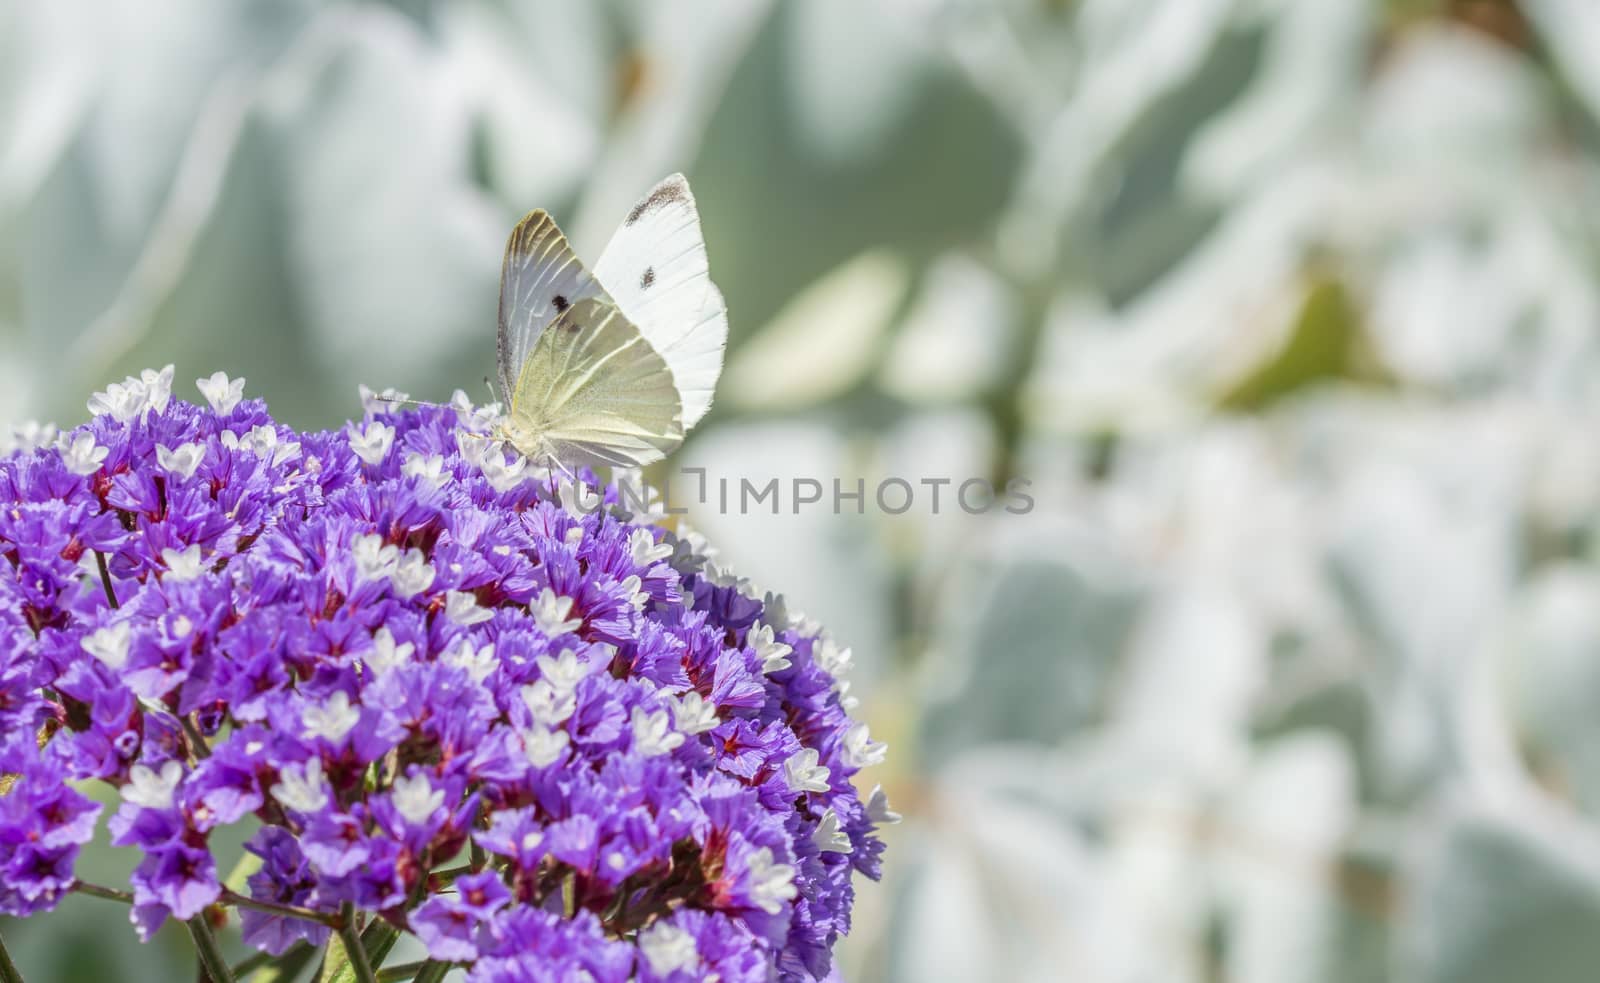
(673,187)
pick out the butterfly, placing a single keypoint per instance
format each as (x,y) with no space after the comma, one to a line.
(610,367)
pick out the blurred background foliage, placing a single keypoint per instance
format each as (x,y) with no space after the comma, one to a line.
(1288,309)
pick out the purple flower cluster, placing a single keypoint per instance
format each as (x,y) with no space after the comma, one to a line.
(541,737)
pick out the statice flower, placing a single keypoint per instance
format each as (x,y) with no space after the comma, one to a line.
(548,740)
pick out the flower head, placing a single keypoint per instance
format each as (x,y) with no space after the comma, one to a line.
(389,641)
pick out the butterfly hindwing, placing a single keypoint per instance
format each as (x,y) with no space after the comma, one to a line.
(655,268)
(593,390)
(541,278)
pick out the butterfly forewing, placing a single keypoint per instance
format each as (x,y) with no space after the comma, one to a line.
(655,269)
(540,279)
(593,390)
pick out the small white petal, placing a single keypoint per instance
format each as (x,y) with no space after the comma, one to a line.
(694,713)
(183,460)
(371,443)
(183,564)
(110,644)
(333,719)
(150,789)
(222,393)
(774,655)
(829,837)
(544,746)
(668,949)
(550,612)
(803,774)
(878,808)
(416,799)
(83,456)
(548,705)
(771,884)
(860,750)
(462,607)
(385,654)
(413,574)
(302,788)
(653,734)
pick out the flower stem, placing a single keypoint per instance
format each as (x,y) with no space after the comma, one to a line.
(355,951)
(432,971)
(96,891)
(205,944)
(105,578)
(274,908)
(8,969)
(400,973)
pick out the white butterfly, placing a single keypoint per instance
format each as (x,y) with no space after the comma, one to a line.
(613,367)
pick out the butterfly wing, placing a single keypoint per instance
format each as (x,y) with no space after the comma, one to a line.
(541,278)
(595,391)
(655,268)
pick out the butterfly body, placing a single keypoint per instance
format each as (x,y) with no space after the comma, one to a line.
(611,367)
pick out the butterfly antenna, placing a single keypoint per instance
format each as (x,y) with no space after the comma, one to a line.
(494,394)
(411,402)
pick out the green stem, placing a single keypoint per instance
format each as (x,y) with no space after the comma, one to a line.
(108,893)
(355,951)
(205,943)
(400,973)
(432,971)
(105,578)
(8,969)
(273,908)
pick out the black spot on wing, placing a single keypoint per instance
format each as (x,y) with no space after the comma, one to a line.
(647,278)
(561,302)
(660,196)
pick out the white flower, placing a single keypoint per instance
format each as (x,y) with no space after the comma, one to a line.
(125,400)
(462,607)
(110,644)
(302,788)
(371,443)
(158,387)
(828,837)
(803,773)
(544,746)
(385,654)
(413,574)
(83,455)
(653,733)
(374,558)
(221,392)
(473,446)
(878,808)
(642,544)
(333,719)
(503,473)
(832,659)
(668,949)
(548,705)
(183,460)
(29,435)
(478,662)
(637,596)
(416,799)
(563,672)
(694,713)
(151,790)
(428,467)
(550,612)
(578,499)
(771,884)
(182,564)
(860,750)
(573,538)
(774,655)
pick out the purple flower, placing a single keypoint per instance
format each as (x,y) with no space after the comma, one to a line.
(387,643)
